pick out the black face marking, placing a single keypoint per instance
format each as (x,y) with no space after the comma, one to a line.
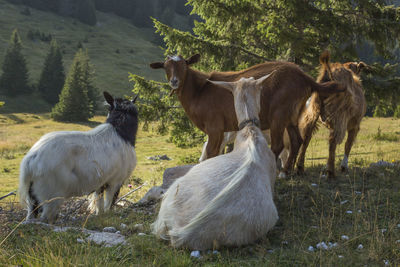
(124,117)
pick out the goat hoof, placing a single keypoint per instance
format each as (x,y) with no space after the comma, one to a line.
(282,175)
(300,170)
(331,175)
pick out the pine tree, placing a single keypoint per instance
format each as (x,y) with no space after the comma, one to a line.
(92,91)
(14,80)
(53,77)
(74,104)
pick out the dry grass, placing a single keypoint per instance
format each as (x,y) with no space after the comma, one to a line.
(311,209)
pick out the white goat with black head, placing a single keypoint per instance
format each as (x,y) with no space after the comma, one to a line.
(73,163)
(226,200)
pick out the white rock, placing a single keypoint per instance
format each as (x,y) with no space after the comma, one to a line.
(107,239)
(314,184)
(398,226)
(285,242)
(123,226)
(195,254)
(349,212)
(141,234)
(323,176)
(282,175)
(359,211)
(333,245)
(109,229)
(215,252)
(383,230)
(155,193)
(138,227)
(386,262)
(357,192)
(398,241)
(322,245)
(270,251)
(343,202)
(311,249)
(360,246)
(118,232)
(80,240)
(344,237)
(340,256)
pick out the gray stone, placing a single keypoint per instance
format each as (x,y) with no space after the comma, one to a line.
(171,174)
(109,229)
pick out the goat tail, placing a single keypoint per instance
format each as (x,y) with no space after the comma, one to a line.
(327,88)
(25,183)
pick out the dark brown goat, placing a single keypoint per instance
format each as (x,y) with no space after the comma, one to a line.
(338,112)
(211,108)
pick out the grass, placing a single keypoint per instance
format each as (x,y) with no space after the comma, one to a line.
(102,41)
(311,210)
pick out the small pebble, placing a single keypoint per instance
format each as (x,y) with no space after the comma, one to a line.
(80,240)
(386,262)
(138,227)
(333,245)
(123,226)
(343,202)
(340,256)
(360,246)
(270,251)
(359,211)
(311,249)
(323,176)
(109,229)
(141,234)
(215,252)
(322,245)
(349,212)
(344,237)
(314,185)
(195,254)
(285,242)
(383,230)
(357,192)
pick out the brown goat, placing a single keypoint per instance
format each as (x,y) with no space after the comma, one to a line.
(211,108)
(338,112)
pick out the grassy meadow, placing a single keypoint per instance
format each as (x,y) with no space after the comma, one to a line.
(115,46)
(311,209)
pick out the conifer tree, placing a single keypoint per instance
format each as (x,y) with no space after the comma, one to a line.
(233,35)
(14,80)
(92,91)
(74,104)
(53,77)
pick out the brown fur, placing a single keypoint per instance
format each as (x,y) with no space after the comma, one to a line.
(338,112)
(211,108)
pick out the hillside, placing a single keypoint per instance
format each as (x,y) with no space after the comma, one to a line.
(115,46)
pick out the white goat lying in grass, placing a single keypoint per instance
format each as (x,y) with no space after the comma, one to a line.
(71,163)
(226,200)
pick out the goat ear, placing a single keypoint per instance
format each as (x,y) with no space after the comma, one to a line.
(260,81)
(227,85)
(157,65)
(108,98)
(135,98)
(193,59)
(360,66)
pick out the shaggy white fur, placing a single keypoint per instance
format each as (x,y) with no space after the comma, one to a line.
(226,200)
